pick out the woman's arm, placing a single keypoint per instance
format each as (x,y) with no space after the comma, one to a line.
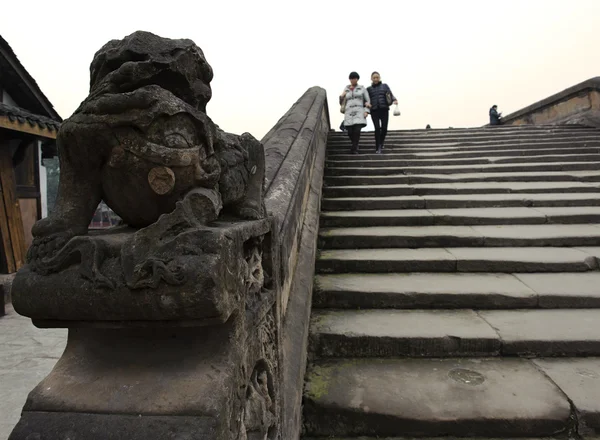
(394,99)
(367,100)
(343,95)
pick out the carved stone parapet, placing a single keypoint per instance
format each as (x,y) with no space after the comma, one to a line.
(174,317)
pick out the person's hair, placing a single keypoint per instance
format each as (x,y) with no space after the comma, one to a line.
(376,72)
(494,106)
(354,75)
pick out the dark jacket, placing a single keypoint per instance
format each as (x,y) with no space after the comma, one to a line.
(494,117)
(377,95)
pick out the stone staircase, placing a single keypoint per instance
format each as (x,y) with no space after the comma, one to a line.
(458,287)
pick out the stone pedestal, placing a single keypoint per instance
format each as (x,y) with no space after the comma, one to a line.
(193,358)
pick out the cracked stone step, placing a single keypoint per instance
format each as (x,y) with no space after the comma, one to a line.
(432,397)
(460,201)
(570,332)
(579,378)
(386,161)
(448,333)
(452,169)
(458,216)
(393,333)
(457,236)
(457,290)
(459,188)
(413,179)
(506,260)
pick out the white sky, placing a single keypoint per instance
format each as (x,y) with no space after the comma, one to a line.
(446,61)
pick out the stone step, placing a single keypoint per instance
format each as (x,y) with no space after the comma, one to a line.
(506,260)
(459,236)
(452,333)
(457,290)
(460,201)
(523,176)
(458,169)
(467,216)
(418,154)
(367,145)
(433,397)
(384,161)
(472,138)
(459,188)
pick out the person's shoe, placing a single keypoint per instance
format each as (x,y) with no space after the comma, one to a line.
(379,149)
(354,151)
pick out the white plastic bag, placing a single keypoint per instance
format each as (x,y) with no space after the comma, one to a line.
(396,111)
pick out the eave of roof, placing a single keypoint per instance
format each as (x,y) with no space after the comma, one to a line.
(11,59)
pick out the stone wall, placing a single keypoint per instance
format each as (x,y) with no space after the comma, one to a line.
(579,104)
(295,154)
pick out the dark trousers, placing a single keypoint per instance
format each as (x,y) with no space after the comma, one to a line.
(380,117)
(354,135)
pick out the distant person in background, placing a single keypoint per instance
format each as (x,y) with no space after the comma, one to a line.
(495,117)
(355,106)
(381,100)
(428,127)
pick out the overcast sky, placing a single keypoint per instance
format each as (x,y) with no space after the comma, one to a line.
(446,61)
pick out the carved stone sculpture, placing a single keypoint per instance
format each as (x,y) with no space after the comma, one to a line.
(142,140)
(174,314)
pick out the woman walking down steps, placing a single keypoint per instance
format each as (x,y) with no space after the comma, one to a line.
(355,104)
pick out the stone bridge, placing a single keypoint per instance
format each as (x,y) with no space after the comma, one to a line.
(456,289)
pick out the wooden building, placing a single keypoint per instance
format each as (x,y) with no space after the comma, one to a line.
(28,128)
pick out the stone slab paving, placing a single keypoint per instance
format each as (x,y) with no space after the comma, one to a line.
(564,290)
(391,333)
(474,236)
(570,332)
(27,354)
(580,380)
(386,397)
(423,290)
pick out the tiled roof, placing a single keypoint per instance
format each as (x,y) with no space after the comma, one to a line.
(21,115)
(21,85)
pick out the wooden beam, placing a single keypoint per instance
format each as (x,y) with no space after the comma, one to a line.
(4,232)
(12,208)
(25,127)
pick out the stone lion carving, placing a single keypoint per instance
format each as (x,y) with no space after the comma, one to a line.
(141,141)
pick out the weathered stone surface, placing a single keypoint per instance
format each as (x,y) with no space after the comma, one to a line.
(511,200)
(386,260)
(355,203)
(204,283)
(181,316)
(389,217)
(368,190)
(593,251)
(402,237)
(540,235)
(459,236)
(573,332)
(484,216)
(295,325)
(580,381)
(422,290)
(516,259)
(564,290)
(390,333)
(146,109)
(385,397)
(112,426)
